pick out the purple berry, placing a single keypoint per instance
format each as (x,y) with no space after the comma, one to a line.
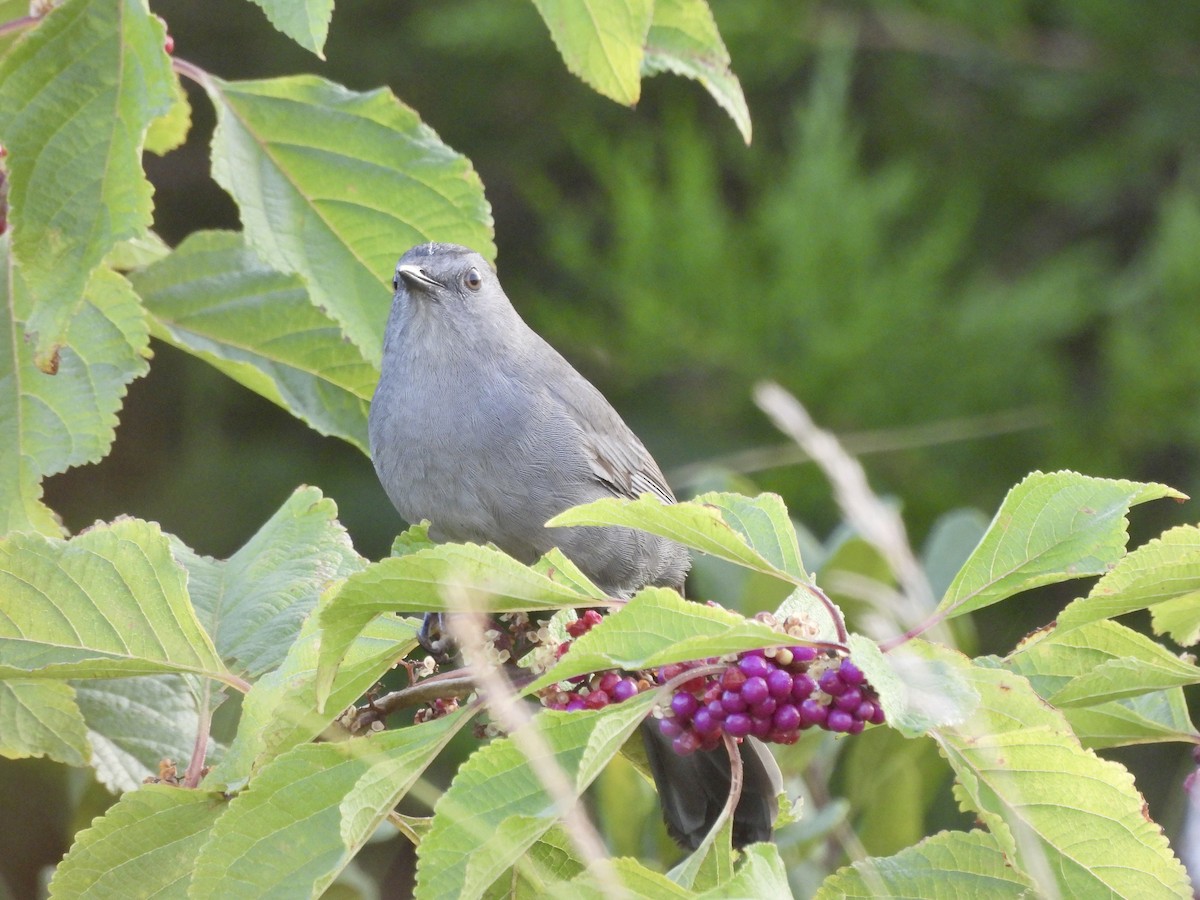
(779,683)
(755,666)
(839,720)
(865,710)
(786,718)
(849,700)
(784,737)
(670,728)
(856,727)
(765,709)
(733,702)
(575,704)
(624,689)
(803,654)
(732,679)
(686,743)
(738,724)
(755,690)
(877,717)
(802,688)
(684,705)
(597,699)
(831,683)
(851,674)
(760,728)
(704,722)
(812,712)
(716,710)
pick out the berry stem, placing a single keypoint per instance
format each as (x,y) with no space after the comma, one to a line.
(834,613)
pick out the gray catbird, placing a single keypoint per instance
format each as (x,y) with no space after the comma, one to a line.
(483,428)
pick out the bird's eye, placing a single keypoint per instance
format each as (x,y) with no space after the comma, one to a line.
(473,279)
(395,283)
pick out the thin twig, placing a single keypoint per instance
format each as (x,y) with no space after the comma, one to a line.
(192,71)
(457,683)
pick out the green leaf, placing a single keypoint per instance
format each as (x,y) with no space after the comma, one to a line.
(1165,568)
(710,865)
(334,185)
(497,807)
(1096,663)
(67,419)
(761,873)
(216,299)
(110,601)
(306,814)
(601,41)
(169,132)
(657,627)
(635,877)
(254,603)
(918,688)
(306,22)
(281,709)
(144,846)
(948,866)
(1147,719)
(134,723)
(752,532)
(76,96)
(41,718)
(550,862)
(684,39)
(440,578)
(1070,821)
(1179,618)
(136,252)
(1050,528)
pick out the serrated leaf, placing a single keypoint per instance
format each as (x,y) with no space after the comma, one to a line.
(307,813)
(144,846)
(216,299)
(635,877)
(134,723)
(306,22)
(684,39)
(1147,719)
(760,873)
(1050,528)
(710,865)
(136,252)
(412,539)
(67,419)
(169,131)
(1179,618)
(601,41)
(657,627)
(1165,568)
(110,601)
(948,866)
(76,96)
(41,718)
(254,603)
(919,690)
(441,578)
(551,862)
(334,185)
(281,709)
(752,532)
(1070,821)
(496,807)
(1096,663)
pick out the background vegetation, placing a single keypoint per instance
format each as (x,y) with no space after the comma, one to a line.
(967,236)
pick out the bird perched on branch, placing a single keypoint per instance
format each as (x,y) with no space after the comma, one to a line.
(483,428)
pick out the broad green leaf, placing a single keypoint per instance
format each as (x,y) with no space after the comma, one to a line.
(134,723)
(760,873)
(752,532)
(601,41)
(444,577)
(76,96)
(67,419)
(412,539)
(41,718)
(307,813)
(1147,719)
(254,603)
(169,132)
(110,601)
(497,806)
(657,627)
(635,878)
(1165,568)
(1179,618)
(335,185)
(710,865)
(918,689)
(684,39)
(136,252)
(215,298)
(550,862)
(948,866)
(305,21)
(1050,528)
(281,709)
(144,846)
(1070,821)
(1096,663)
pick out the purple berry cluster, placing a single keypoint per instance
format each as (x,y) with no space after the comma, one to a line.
(773,698)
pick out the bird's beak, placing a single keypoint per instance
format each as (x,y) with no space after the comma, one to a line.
(415,276)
